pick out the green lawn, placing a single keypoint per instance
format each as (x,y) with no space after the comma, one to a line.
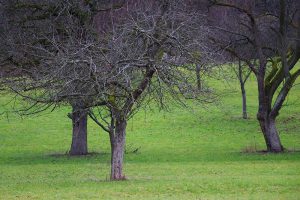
(184,154)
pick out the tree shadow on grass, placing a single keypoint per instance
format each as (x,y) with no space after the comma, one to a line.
(149,157)
(54,158)
(63,155)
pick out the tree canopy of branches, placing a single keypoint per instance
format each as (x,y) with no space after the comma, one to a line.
(37,25)
(111,61)
(266,36)
(38,21)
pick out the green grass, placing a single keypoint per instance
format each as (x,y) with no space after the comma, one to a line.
(183,154)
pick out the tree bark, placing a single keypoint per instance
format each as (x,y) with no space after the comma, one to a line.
(245,115)
(79,134)
(272,139)
(266,119)
(117,151)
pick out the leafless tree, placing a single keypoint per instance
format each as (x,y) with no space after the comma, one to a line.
(266,36)
(35,30)
(150,54)
(132,52)
(242,73)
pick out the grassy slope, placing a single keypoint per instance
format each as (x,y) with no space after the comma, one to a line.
(183,155)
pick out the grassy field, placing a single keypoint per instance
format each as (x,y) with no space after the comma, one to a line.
(183,154)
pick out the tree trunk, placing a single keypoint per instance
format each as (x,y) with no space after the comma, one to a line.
(117,151)
(245,115)
(266,119)
(198,69)
(79,137)
(243,90)
(271,136)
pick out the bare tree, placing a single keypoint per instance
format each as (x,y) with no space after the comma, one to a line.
(243,73)
(138,51)
(150,54)
(265,32)
(35,30)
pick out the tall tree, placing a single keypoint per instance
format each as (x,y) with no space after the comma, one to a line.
(142,50)
(149,52)
(266,37)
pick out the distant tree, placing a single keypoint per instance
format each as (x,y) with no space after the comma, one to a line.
(242,73)
(264,35)
(198,76)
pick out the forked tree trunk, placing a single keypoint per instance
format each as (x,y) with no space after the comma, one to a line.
(117,151)
(79,135)
(267,121)
(272,139)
